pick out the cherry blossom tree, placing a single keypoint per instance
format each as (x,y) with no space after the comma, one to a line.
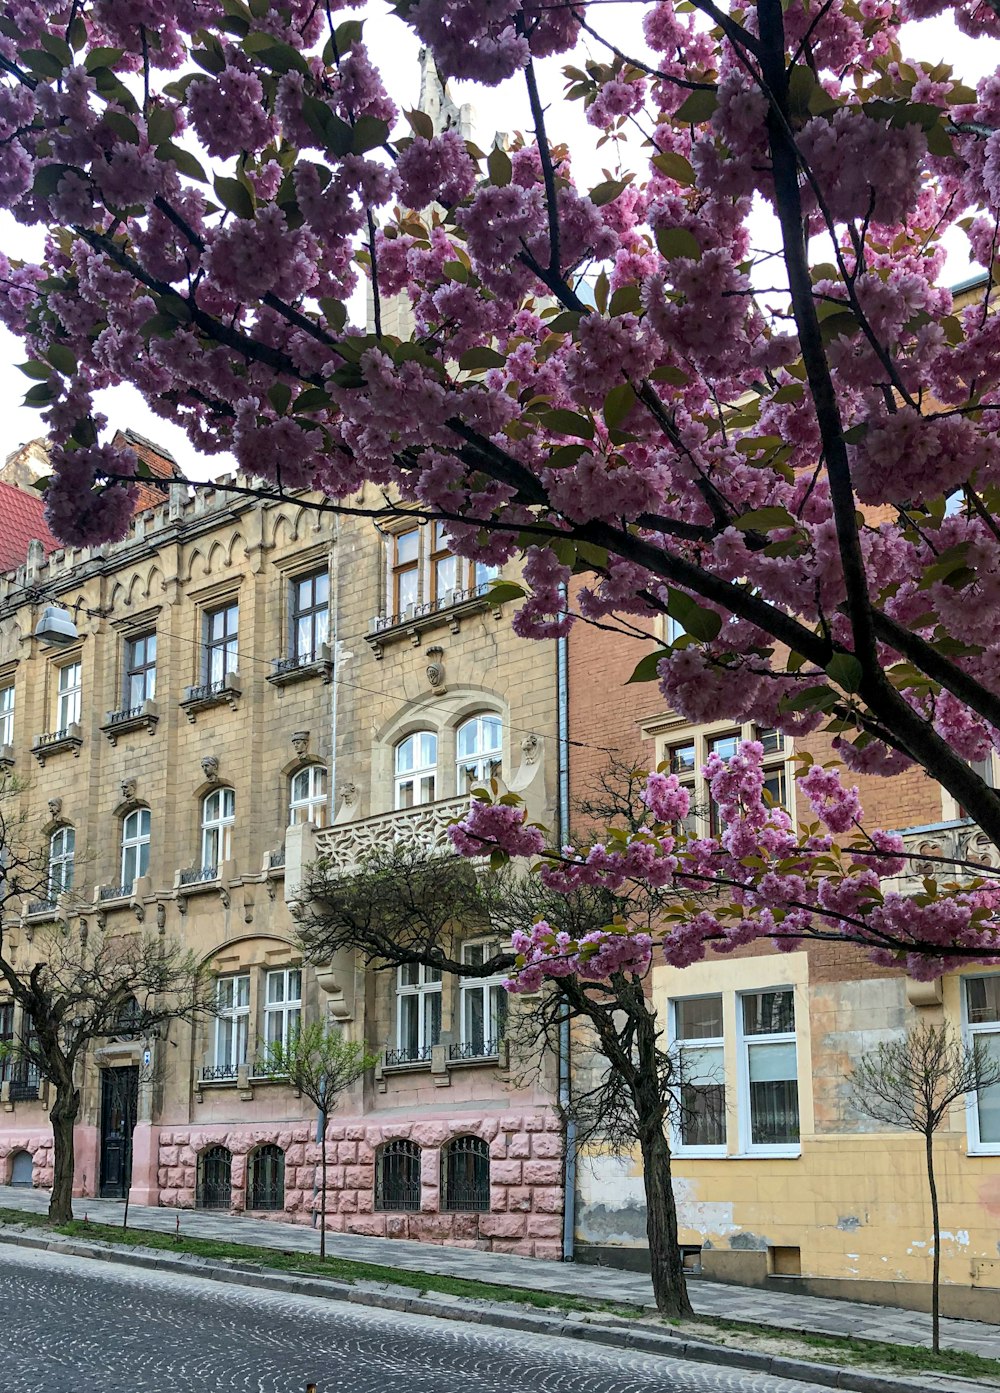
(723,384)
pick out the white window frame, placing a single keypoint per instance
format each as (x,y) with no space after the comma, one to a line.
(678,1046)
(238,1016)
(312,802)
(748,1147)
(57,884)
(491,989)
(970,1032)
(482,756)
(283,1017)
(69,700)
(699,821)
(7,714)
(414,776)
(134,842)
(423,990)
(220,826)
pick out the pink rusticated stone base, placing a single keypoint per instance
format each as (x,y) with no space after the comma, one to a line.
(526,1197)
(38,1145)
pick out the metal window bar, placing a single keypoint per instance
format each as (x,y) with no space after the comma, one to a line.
(418,1055)
(212,1073)
(465,1179)
(267,1178)
(215,1186)
(488,1049)
(25,1078)
(397,1176)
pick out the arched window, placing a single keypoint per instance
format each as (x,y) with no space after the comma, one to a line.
(465,1174)
(62,853)
(397,1175)
(266,1178)
(480,750)
(127,1019)
(135,846)
(218,813)
(215,1184)
(416,769)
(21,1169)
(308,800)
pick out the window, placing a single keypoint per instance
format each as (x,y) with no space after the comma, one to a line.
(266,1179)
(397,1175)
(480,749)
(465,1174)
(70,693)
(135,845)
(685,755)
(418,1012)
(221,639)
(482,1004)
(140,670)
(982,1014)
(232,1024)
(6,715)
(416,769)
(282,1006)
(62,853)
(406,570)
(769,1067)
(6,1040)
(218,814)
(310,618)
(308,800)
(215,1179)
(444,568)
(701,1068)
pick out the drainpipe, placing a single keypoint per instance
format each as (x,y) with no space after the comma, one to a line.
(562,824)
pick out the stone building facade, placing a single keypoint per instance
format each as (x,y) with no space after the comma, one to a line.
(253,682)
(786,1179)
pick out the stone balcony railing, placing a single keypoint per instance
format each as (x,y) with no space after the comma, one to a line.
(425,828)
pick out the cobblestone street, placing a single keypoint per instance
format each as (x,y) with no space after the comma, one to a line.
(72,1326)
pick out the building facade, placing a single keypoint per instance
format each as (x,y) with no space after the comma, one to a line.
(777,1174)
(254,683)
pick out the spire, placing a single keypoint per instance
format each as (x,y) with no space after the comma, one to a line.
(437,102)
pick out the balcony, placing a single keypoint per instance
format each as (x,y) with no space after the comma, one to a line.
(115,892)
(343,848)
(395,1059)
(24,1083)
(131,718)
(40,909)
(197,875)
(449,608)
(301,667)
(54,742)
(218,1073)
(934,846)
(476,1052)
(226,691)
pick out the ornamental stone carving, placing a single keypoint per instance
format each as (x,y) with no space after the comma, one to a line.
(55,808)
(300,741)
(128,787)
(435,668)
(420,829)
(210,765)
(531,748)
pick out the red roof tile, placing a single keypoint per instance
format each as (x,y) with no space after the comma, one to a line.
(21,521)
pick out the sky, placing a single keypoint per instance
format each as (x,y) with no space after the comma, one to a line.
(503,108)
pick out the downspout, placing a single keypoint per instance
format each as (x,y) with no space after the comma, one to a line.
(562,823)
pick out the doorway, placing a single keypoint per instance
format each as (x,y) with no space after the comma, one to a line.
(119,1104)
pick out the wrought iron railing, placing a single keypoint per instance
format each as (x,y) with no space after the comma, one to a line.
(283,665)
(475,1049)
(397,1175)
(195,875)
(115,892)
(417,1055)
(266,1188)
(52,737)
(127,713)
(215,1187)
(206,690)
(216,1073)
(276,858)
(40,907)
(465,1174)
(382,622)
(24,1082)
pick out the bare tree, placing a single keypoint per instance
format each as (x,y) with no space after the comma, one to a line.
(321,1064)
(913,1083)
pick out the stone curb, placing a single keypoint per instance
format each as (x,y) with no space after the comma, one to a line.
(499,1317)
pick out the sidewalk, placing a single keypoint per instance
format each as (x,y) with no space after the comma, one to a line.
(810,1314)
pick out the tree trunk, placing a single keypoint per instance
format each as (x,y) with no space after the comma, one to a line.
(666,1268)
(63,1115)
(936,1269)
(322,1190)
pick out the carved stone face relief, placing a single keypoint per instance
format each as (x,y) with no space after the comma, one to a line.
(55,807)
(300,741)
(531,748)
(128,789)
(210,765)
(435,668)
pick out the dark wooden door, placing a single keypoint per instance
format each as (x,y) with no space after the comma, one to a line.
(119,1102)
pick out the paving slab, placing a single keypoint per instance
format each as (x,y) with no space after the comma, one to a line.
(787,1310)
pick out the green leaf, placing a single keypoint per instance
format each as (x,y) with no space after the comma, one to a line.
(674,166)
(697,108)
(846,671)
(609,190)
(42,64)
(279,394)
(500,592)
(618,403)
(369,134)
(349,32)
(501,170)
(840,324)
(856,433)
(479,359)
(703,624)
(121,125)
(59,49)
(566,322)
(678,241)
(102,58)
(312,399)
(765,519)
(160,125)
(213,60)
(569,423)
(420,124)
(646,668)
(791,392)
(48,177)
(626,300)
(184,161)
(62,358)
(334,310)
(564,457)
(234,196)
(40,395)
(41,372)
